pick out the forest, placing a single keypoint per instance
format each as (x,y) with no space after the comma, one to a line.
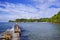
(55,18)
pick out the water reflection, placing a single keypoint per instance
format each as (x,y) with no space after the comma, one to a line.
(24,34)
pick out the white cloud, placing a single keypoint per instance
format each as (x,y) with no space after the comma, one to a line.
(28,11)
(18,11)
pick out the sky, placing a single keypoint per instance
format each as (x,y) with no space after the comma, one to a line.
(29,9)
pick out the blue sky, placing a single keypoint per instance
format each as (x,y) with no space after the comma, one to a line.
(30,9)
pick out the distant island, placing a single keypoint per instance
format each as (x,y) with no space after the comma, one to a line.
(55,19)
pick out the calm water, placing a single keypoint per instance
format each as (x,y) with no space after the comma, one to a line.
(35,30)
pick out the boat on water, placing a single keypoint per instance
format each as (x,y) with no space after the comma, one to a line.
(11,34)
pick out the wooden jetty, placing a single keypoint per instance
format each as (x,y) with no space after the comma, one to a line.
(12,34)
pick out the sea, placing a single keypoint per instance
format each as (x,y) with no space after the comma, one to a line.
(34,30)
